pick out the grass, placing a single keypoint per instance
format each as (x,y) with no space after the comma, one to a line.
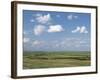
(40,59)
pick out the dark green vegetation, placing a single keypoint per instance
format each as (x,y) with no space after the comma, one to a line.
(42,59)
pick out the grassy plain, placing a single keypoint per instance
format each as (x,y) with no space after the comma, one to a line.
(43,59)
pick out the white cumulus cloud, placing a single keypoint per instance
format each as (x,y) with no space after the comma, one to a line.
(38,43)
(76,30)
(25,40)
(81,29)
(43,19)
(70,17)
(39,29)
(32,20)
(55,28)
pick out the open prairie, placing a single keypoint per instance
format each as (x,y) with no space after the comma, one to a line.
(43,59)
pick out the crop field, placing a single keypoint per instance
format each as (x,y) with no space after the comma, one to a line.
(43,59)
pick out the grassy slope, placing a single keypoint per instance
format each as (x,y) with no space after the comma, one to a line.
(55,59)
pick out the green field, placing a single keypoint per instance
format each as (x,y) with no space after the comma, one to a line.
(40,59)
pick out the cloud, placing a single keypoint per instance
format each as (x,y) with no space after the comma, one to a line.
(32,20)
(68,43)
(25,40)
(43,19)
(75,17)
(58,16)
(55,28)
(80,30)
(24,32)
(38,43)
(39,29)
(83,30)
(70,17)
(76,30)
(74,42)
(38,14)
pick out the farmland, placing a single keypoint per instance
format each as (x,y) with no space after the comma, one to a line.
(45,59)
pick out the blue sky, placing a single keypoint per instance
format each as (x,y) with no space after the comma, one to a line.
(56,31)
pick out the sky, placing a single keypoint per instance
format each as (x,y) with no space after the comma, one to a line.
(56,31)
